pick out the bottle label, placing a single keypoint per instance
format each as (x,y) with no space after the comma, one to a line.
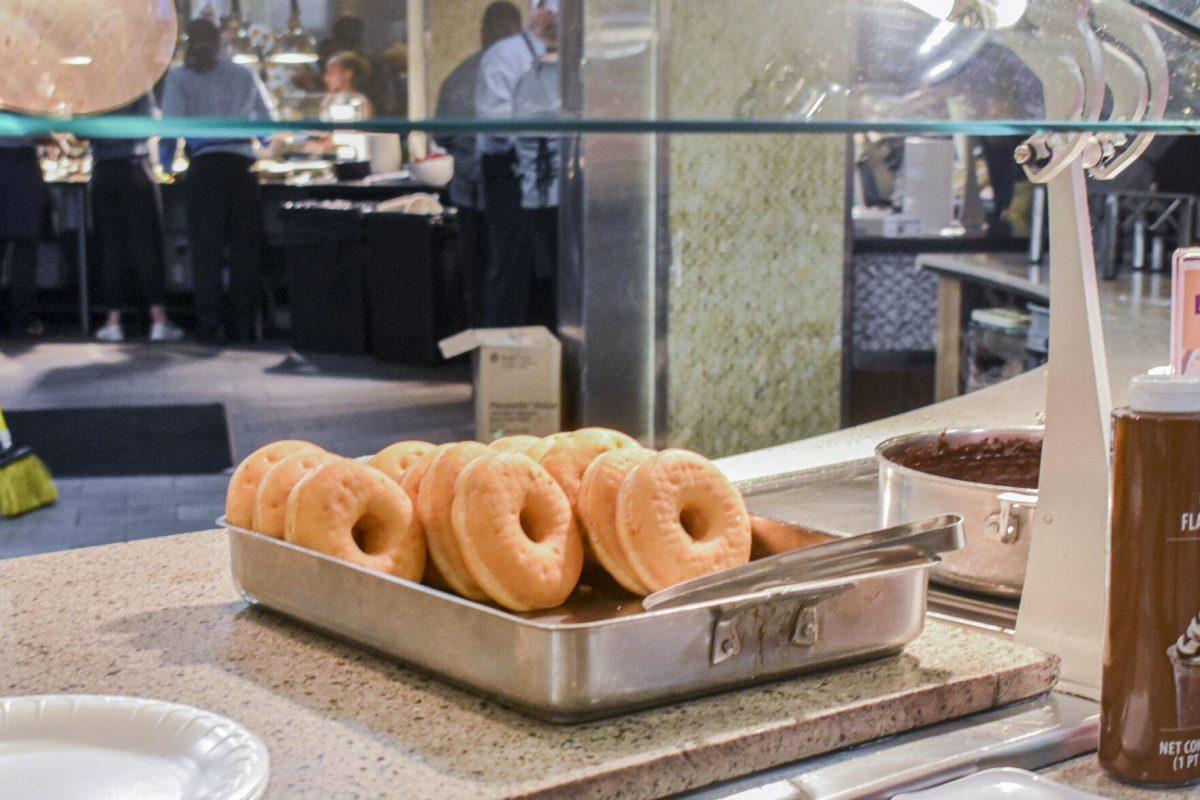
(1150,704)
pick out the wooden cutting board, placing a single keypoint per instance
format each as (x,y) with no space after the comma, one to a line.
(69,57)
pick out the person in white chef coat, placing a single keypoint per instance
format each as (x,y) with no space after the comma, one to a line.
(510,273)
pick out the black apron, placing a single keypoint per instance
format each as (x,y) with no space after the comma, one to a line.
(22,194)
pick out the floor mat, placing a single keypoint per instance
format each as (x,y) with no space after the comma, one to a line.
(127,440)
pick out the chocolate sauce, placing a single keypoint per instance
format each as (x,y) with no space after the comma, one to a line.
(996,461)
(1150,701)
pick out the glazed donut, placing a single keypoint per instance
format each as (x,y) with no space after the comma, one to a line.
(597,505)
(769,537)
(356,513)
(514,444)
(537,449)
(517,533)
(570,454)
(270,502)
(394,460)
(411,480)
(243,486)
(679,517)
(434,501)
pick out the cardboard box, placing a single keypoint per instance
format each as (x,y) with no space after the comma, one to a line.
(518,379)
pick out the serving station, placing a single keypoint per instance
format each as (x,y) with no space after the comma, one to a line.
(781,675)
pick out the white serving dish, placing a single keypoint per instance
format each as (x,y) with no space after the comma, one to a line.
(1000,784)
(95,747)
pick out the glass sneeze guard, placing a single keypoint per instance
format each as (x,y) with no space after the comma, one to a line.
(976,67)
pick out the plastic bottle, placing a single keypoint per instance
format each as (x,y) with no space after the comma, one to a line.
(1150,696)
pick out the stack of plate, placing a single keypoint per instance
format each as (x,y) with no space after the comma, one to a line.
(88,747)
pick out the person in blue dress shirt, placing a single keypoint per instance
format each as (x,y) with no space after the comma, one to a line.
(224,200)
(538,96)
(456,100)
(510,273)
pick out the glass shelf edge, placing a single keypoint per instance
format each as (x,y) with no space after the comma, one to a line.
(140,127)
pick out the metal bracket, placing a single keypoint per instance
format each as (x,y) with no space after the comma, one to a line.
(1014,518)
(806,632)
(725,641)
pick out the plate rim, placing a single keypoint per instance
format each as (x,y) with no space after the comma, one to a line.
(253,787)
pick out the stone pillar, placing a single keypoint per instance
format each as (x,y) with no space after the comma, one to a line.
(754,291)
(453,35)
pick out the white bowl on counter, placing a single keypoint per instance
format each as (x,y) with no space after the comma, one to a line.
(432,171)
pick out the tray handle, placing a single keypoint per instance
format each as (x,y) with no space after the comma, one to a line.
(726,643)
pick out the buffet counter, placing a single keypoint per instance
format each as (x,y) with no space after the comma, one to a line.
(1085,774)
(161,618)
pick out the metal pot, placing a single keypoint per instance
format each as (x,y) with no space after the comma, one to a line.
(997,520)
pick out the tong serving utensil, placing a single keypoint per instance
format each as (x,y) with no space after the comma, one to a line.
(809,570)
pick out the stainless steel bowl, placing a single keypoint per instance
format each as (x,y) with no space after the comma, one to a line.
(997,520)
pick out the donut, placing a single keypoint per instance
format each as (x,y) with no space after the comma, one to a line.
(394,460)
(538,449)
(514,444)
(679,517)
(517,533)
(570,454)
(411,480)
(434,501)
(243,486)
(356,513)
(270,502)
(597,506)
(411,484)
(769,537)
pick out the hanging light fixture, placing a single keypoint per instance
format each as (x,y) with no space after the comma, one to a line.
(294,46)
(237,41)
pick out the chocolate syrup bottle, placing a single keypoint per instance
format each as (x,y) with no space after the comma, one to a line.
(1150,698)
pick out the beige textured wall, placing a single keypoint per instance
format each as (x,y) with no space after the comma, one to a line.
(757,225)
(453,27)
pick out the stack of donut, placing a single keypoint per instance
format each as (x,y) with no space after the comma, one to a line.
(512,522)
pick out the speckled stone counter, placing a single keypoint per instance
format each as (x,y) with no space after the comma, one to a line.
(160,618)
(1085,774)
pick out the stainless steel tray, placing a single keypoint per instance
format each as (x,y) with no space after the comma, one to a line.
(601,654)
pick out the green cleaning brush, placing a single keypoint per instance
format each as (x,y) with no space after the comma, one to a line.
(25,483)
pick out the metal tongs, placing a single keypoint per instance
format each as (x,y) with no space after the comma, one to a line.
(826,566)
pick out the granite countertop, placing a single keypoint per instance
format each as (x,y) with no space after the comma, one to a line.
(1085,774)
(1136,315)
(161,618)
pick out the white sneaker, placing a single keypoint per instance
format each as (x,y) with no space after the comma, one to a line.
(165,332)
(111,333)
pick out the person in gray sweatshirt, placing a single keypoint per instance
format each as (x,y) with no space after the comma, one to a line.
(224,201)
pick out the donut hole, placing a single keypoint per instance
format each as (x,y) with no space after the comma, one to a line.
(693,522)
(530,524)
(369,536)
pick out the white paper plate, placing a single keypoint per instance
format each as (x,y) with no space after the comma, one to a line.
(1000,784)
(90,747)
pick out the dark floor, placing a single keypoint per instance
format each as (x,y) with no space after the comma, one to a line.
(348,404)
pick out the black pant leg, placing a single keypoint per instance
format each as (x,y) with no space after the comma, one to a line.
(510,270)
(22,283)
(245,248)
(207,213)
(473,263)
(108,219)
(543,228)
(143,231)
